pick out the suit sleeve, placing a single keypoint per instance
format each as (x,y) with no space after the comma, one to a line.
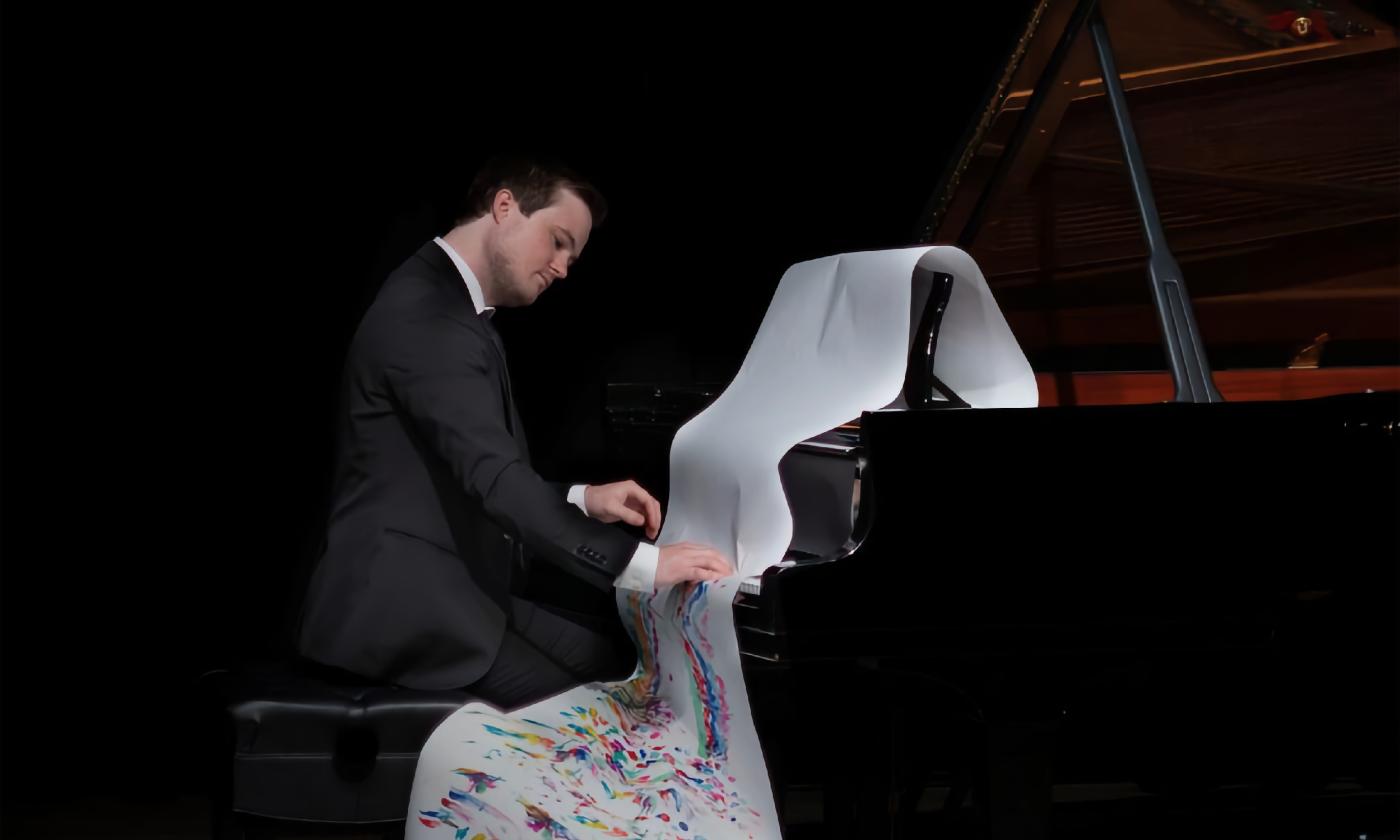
(445,376)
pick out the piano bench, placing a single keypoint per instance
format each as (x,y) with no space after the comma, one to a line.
(300,742)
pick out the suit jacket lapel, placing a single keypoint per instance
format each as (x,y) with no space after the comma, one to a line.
(459,301)
(512,414)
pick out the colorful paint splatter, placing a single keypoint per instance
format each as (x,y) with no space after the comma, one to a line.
(672,752)
(605,760)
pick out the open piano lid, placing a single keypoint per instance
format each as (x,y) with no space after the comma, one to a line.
(1274,163)
(1185,352)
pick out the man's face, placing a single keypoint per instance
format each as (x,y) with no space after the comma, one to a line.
(534,251)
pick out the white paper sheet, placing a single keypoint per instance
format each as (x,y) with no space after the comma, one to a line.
(673,751)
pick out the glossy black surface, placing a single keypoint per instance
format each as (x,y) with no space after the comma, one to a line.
(1172,596)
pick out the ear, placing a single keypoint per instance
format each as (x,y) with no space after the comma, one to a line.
(503,205)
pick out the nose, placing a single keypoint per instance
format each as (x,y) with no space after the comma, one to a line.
(559,268)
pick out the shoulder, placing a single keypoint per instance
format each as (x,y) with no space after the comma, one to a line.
(414,313)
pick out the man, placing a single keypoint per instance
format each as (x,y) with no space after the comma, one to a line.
(434,495)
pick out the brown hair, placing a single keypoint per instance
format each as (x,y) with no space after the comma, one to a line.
(535,181)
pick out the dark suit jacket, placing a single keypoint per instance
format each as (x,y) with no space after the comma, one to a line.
(433,493)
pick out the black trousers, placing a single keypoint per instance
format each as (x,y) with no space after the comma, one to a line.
(547,649)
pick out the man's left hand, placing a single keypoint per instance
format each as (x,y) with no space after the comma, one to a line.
(625,501)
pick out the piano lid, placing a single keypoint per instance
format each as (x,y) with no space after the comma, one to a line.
(1274,154)
(1275,162)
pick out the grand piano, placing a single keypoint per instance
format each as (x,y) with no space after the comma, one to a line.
(1166,596)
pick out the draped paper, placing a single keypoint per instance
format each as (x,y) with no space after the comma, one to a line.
(672,752)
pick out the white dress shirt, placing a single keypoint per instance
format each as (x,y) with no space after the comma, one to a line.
(640,573)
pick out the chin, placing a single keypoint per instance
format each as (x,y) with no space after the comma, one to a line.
(522,294)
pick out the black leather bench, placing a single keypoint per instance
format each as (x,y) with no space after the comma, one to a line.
(301,742)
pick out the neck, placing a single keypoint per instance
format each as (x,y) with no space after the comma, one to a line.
(470,242)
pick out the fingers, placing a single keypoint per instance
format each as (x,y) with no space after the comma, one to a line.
(719,564)
(689,561)
(628,502)
(700,573)
(702,550)
(714,563)
(707,561)
(653,518)
(649,508)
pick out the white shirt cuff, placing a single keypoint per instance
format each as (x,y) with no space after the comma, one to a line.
(576,496)
(640,574)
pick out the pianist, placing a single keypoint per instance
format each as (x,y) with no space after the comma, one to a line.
(435,506)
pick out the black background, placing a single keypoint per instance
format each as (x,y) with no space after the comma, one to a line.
(197,210)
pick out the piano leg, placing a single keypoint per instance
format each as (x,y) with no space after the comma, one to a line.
(936,735)
(917,727)
(1017,778)
(861,800)
(913,728)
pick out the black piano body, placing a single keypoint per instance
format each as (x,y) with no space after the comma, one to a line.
(1115,614)
(1227,618)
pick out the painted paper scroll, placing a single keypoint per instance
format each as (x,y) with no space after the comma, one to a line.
(672,752)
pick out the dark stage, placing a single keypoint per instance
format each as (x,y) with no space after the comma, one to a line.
(197,210)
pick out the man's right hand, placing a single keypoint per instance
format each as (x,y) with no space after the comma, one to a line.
(688,561)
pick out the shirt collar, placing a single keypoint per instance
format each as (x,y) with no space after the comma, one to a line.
(473,285)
